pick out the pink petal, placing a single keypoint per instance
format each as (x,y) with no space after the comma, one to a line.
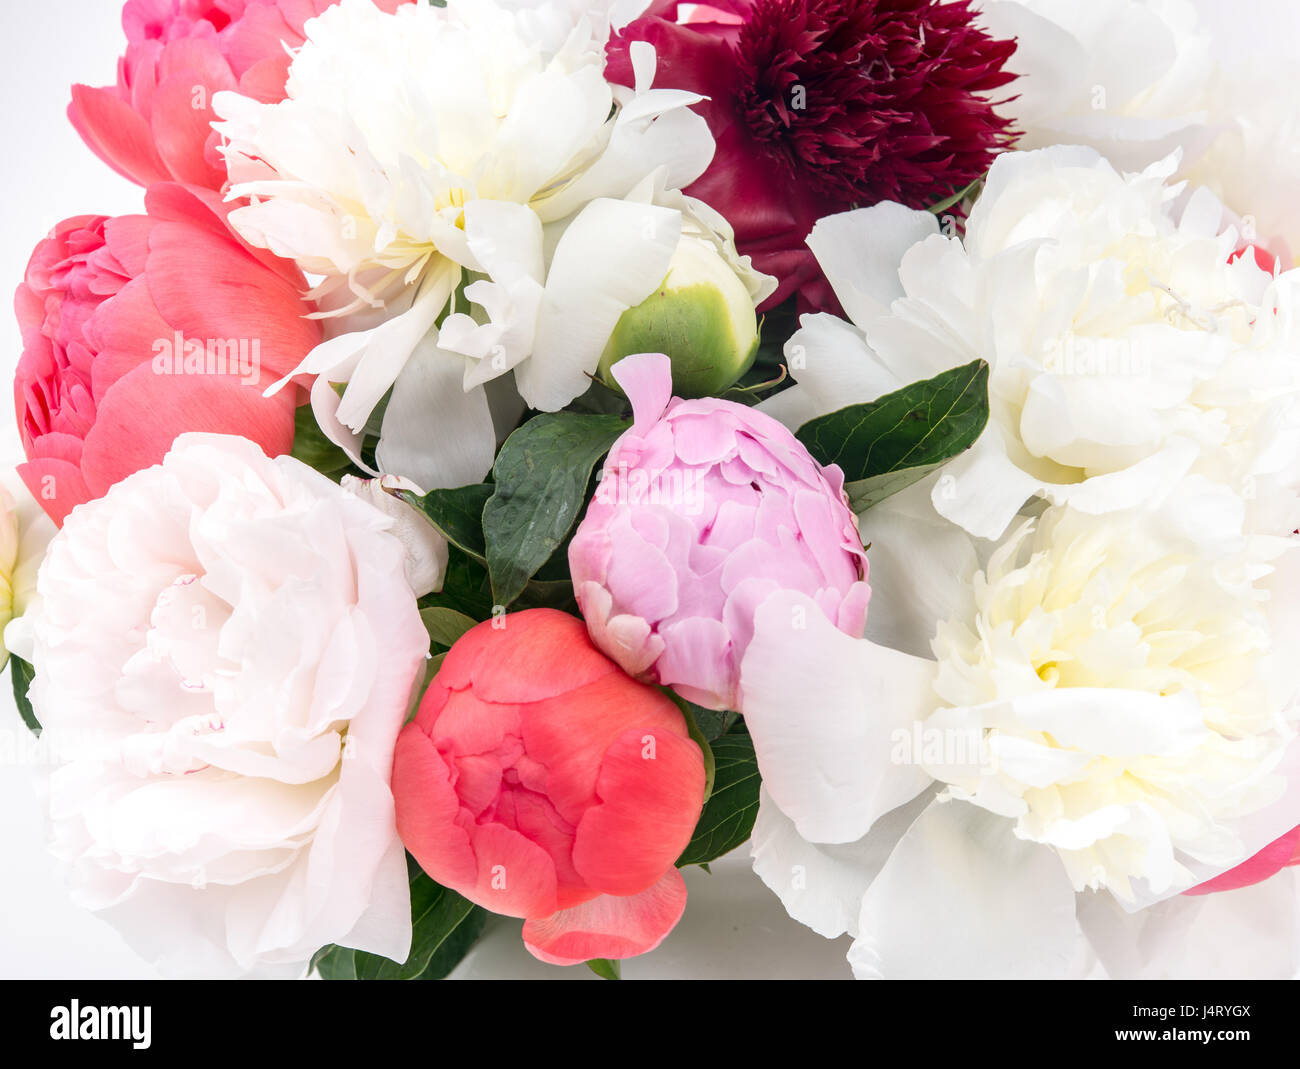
(427,807)
(206,286)
(57,484)
(651,784)
(609,926)
(647,379)
(515,876)
(1276,856)
(181,131)
(143,412)
(114,132)
(528,656)
(572,733)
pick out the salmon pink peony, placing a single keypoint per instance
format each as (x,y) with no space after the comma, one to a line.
(541,782)
(153,125)
(138,328)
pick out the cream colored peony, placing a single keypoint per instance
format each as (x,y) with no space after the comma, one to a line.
(1125,349)
(1104,715)
(468,167)
(227,646)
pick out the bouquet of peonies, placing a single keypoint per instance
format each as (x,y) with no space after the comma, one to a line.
(453,494)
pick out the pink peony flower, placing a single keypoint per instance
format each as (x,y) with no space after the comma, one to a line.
(153,125)
(818,106)
(141,327)
(541,782)
(705,508)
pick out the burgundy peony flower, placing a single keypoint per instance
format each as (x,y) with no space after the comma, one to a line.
(819,106)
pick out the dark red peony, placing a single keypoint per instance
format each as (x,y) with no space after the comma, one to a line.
(819,106)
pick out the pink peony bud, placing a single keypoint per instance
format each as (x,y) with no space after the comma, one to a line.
(704,509)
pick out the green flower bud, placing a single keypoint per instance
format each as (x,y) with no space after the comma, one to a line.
(701,317)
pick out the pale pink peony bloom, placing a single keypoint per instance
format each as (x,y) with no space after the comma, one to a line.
(704,509)
(153,125)
(225,647)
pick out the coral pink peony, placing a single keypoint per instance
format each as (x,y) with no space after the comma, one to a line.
(138,328)
(541,782)
(819,106)
(153,125)
(704,509)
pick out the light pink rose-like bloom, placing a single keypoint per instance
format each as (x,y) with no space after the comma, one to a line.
(153,125)
(225,647)
(705,508)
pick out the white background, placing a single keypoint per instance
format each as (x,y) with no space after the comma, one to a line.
(733,925)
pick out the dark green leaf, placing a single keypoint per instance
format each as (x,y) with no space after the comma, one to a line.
(465,587)
(697,734)
(540,477)
(711,722)
(457,513)
(920,426)
(444,924)
(729,814)
(21,674)
(312,447)
(605,968)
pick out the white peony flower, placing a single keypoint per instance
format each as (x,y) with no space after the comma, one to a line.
(1137,79)
(1131,78)
(1125,689)
(224,649)
(1107,718)
(462,159)
(1125,349)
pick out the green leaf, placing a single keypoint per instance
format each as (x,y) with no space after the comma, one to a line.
(465,587)
(445,625)
(457,513)
(312,447)
(444,924)
(864,493)
(961,194)
(711,722)
(918,427)
(697,735)
(21,675)
(335,963)
(541,477)
(605,968)
(729,814)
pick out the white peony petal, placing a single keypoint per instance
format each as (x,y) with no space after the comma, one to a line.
(820,884)
(859,252)
(435,432)
(961,898)
(610,258)
(825,711)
